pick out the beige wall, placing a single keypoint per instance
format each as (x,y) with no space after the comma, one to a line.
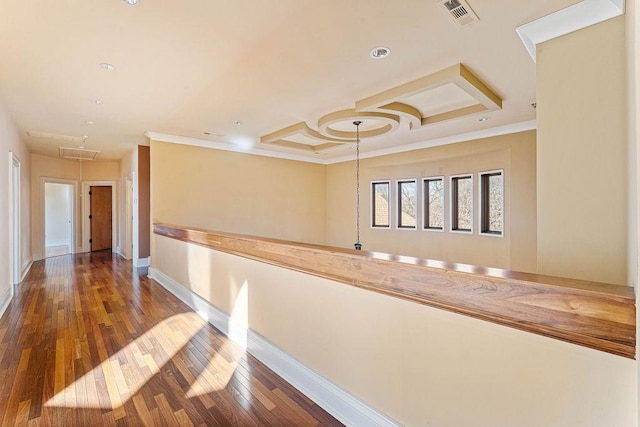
(515,154)
(633,105)
(236,192)
(419,365)
(582,154)
(10,141)
(72,170)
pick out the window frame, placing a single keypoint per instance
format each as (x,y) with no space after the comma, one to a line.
(372,207)
(425,204)
(483,211)
(399,202)
(453,203)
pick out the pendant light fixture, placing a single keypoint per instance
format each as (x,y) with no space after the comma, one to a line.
(358,245)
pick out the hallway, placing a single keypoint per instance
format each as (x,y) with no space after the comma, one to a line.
(86,342)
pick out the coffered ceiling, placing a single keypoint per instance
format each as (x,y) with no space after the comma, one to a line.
(267,76)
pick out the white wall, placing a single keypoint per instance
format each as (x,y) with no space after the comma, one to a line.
(57,214)
(10,141)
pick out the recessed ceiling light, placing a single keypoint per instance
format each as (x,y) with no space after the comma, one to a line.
(131,2)
(380,52)
(238,122)
(85,136)
(483,119)
(207,133)
(81,146)
(90,122)
(106,66)
(96,101)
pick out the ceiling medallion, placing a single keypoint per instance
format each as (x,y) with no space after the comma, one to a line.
(375,124)
(421,102)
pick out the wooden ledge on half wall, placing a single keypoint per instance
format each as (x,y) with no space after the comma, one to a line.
(596,315)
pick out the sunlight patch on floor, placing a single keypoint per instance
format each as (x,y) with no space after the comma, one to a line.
(149,353)
(215,376)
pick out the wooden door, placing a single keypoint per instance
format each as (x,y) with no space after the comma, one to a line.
(100,201)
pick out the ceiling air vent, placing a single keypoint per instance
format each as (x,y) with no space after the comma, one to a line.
(56,137)
(78,153)
(460,12)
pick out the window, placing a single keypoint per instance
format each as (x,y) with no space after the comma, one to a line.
(491,203)
(380,204)
(407,204)
(462,203)
(433,199)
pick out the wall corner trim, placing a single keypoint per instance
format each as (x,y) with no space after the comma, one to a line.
(339,403)
(5,300)
(568,20)
(141,262)
(25,268)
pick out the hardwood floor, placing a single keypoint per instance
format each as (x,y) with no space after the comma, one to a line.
(88,340)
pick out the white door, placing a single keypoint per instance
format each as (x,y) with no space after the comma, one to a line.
(58,218)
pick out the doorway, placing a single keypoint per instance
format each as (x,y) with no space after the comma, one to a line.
(58,219)
(102,203)
(100,207)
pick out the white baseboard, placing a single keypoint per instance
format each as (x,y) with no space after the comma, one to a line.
(57,243)
(38,257)
(25,268)
(5,300)
(345,407)
(122,254)
(142,262)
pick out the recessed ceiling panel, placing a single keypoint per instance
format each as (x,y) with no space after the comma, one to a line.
(78,153)
(301,138)
(441,99)
(367,124)
(449,94)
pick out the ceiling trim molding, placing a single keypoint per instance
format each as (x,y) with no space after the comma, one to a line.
(463,137)
(184,140)
(568,20)
(469,136)
(387,108)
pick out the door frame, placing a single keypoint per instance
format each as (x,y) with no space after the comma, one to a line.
(43,181)
(86,211)
(128,219)
(15,267)
(74,191)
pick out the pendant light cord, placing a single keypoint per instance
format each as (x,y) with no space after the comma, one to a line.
(357,245)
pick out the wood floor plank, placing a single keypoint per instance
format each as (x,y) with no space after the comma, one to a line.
(88,340)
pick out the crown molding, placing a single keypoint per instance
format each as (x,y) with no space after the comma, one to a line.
(469,136)
(568,20)
(196,142)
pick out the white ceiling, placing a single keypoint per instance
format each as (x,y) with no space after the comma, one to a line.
(189,67)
